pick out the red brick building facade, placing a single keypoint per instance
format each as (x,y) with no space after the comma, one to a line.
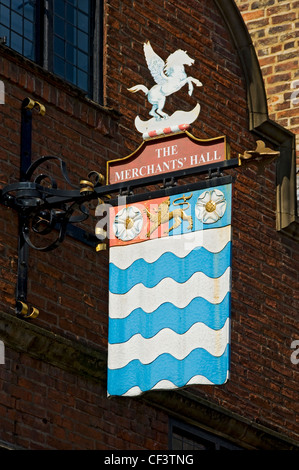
(53,380)
(273,26)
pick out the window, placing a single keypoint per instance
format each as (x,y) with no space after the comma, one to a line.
(185,437)
(63,36)
(72,58)
(17,25)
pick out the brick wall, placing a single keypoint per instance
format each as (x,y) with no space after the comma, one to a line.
(42,406)
(274,28)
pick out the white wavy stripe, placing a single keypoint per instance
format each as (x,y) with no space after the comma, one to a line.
(168,290)
(146,350)
(168,385)
(213,240)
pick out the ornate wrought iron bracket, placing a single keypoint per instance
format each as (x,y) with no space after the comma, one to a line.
(42,208)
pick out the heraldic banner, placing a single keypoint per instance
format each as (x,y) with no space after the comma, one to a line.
(169,292)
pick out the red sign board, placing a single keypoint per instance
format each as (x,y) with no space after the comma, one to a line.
(165,155)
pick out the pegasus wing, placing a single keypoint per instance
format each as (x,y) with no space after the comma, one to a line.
(155,64)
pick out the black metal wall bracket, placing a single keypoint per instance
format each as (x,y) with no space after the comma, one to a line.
(42,208)
(23,249)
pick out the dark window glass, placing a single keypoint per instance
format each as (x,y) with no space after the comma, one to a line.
(17,24)
(72,58)
(185,437)
(64,36)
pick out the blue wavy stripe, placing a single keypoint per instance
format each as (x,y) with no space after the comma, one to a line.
(169,265)
(166,367)
(168,315)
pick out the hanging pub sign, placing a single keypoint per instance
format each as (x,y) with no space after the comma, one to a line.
(169,253)
(169,292)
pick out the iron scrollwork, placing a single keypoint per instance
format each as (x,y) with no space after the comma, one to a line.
(44,208)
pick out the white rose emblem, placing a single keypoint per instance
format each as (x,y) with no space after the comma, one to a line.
(128,223)
(210,206)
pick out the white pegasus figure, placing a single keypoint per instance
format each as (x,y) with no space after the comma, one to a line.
(169,77)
